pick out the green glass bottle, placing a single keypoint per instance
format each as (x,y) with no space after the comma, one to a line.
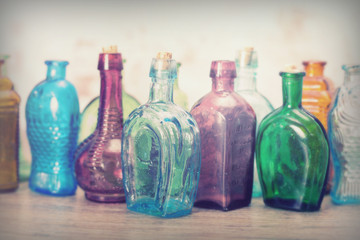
(180,97)
(292,152)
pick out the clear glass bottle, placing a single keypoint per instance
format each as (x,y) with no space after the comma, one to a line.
(89,116)
(245,86)
(161,150)
(227,126)
(292,152)
(98,158)
(9,131)
(52,117)
(344,138)
(180,97)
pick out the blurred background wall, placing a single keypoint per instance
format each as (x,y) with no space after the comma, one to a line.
(196,32)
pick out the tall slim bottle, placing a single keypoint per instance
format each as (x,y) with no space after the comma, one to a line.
(9,132)
(292,152)
(344,138)
(245,86)
(52,117)
(161,150)
(227,126)
(98,158)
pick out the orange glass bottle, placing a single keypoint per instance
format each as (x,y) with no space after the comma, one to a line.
(316,98)
(9,132)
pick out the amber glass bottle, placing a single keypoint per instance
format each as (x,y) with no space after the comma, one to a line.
(9,132)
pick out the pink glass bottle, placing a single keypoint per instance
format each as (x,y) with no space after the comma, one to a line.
(227,126)
(98,158)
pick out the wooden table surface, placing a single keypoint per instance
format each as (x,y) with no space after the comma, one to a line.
(28,215)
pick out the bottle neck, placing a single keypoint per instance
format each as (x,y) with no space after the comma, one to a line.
(246,79)
(314,70)
(2,69)
(292,90)
(56,70)
(223,84)
(352,75)
(161,90)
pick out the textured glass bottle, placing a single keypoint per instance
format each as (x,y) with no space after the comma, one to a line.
(227,126)
(98,163)
(9,131)
(89,116)
(245,86)
(344,138)
(292,152)
(161,150)
(180,97)
(52,116)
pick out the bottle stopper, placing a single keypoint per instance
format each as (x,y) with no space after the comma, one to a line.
(110,49)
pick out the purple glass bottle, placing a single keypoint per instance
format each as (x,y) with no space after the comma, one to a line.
(227,126)
(98,158)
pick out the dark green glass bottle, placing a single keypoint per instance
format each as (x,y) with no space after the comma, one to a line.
(292,152)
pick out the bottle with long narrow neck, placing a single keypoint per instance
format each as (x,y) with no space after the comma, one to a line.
(98,161)
(90,114)
(292,152)
(9,132)
(344,138)
(245,85)
(52,116)
(227,126)
(161,150)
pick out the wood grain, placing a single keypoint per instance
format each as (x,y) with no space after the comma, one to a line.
(28,215)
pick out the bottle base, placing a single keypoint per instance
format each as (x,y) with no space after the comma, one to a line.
(290,204)
(232,206)
(53,184)
(148,206)
(105,198)
(11,187)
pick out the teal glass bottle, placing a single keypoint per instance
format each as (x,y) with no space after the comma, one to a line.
(292,152)
(344,138)
(89,117)
(161,150)
(52,117)
(245,86)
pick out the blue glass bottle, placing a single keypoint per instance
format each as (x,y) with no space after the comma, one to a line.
(161,150)
(52,116)
(245,86)
(344,138)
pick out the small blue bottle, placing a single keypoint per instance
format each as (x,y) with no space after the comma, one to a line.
(161,151)
(52,116)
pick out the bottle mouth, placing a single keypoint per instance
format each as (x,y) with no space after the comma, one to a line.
(351,68)
(247,58)
(163,67)
(314,62)
(60,63)
(223,68)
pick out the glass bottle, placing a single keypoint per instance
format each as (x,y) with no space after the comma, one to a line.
(98,163)
(9,131)
(344,138)
(161,150)
(227,126)
(52,117)
(245,86)
(180,97)
(292,152)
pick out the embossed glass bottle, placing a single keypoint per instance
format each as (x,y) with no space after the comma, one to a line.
(227,126)
(52,117)
(180,97)
(344,138)
(9,132)
(89,116)
(98,158)
(245,86)
(161,150)
(292,152)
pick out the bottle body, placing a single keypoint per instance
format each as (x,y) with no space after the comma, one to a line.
(292,153)
(98,157)
(161,151)
(344,138)
(52,116)
(9,132)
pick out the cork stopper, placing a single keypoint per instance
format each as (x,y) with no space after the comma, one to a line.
(110,49)
(163,67)
(247,57)
(164,55)
(291,68)
(163,60)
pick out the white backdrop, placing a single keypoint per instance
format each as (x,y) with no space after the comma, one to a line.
(196,32)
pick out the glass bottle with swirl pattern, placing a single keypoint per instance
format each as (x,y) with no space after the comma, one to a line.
(98,162)
(344,138)
(52,117)
(161,150)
